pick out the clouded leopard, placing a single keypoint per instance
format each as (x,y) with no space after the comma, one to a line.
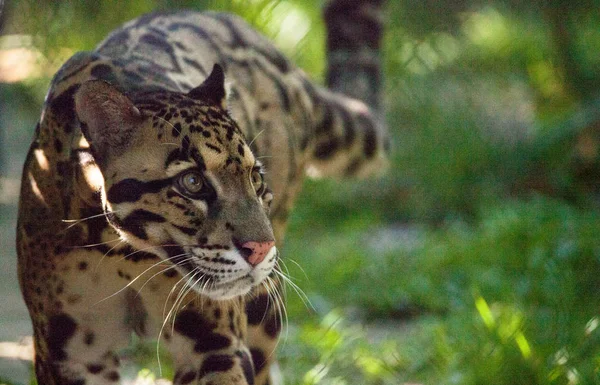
(156,192)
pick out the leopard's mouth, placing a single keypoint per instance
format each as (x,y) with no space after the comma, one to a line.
(225,274)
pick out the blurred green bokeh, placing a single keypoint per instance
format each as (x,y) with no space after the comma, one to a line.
(476,260)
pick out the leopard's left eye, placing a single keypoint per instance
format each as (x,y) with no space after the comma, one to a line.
(192,182)
(256,178)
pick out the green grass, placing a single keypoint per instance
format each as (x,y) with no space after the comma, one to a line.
(510,299)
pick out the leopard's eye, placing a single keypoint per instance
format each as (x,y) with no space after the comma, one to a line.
(192,182)
(256,179)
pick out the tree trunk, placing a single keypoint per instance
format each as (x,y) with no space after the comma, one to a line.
(354,31)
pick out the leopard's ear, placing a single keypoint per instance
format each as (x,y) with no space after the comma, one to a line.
(108,118)
(212,90)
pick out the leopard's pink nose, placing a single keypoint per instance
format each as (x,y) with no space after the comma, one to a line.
(255,252)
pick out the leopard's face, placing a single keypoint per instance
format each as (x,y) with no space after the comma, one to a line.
(189,189)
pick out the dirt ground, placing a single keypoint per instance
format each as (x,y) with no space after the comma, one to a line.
(15,326)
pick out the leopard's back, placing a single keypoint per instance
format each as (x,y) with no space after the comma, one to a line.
(294,125)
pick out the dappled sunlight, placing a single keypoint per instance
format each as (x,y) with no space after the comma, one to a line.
(592,325)
(422,57)
(20,60)
(489,29)
(291,26)
(22,350)
(36,189)
(41,158)
(18,64)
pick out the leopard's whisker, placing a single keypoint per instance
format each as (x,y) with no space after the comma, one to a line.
(255,137)
(95,244)
(183,278)
(166,320)
(121,241)
(75,222)
(271,286)
(303,297)
(132,281)
(173,266)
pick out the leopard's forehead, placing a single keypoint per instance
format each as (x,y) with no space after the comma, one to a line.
(200,132)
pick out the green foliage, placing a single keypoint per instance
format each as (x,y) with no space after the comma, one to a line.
(513,297)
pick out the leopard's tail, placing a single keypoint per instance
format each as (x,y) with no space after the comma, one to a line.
(350,136)
(348,139)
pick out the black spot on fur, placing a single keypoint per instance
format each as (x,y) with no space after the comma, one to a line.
(61,328)
(184,378)
(211,342)
(104,72)
(112,376)
(192,325)
(247,367)
(63,107)
(95,368)
(273,325)
(370,144)
(256,309)
(89,338)
(326,150)
(216,363)
(258,358)
(349,131)
(176,130)
(58,146)
(326,123)
(74,382)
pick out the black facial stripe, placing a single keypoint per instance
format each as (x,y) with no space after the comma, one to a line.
(131,190)
(134,222)
(186,230)
(178,256)
(195,154)
(175,155)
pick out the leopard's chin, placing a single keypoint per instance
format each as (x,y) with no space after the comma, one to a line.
(229,290)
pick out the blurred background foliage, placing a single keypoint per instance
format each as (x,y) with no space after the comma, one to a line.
(476,260)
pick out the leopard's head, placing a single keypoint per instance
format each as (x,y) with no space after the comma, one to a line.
(180,181)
